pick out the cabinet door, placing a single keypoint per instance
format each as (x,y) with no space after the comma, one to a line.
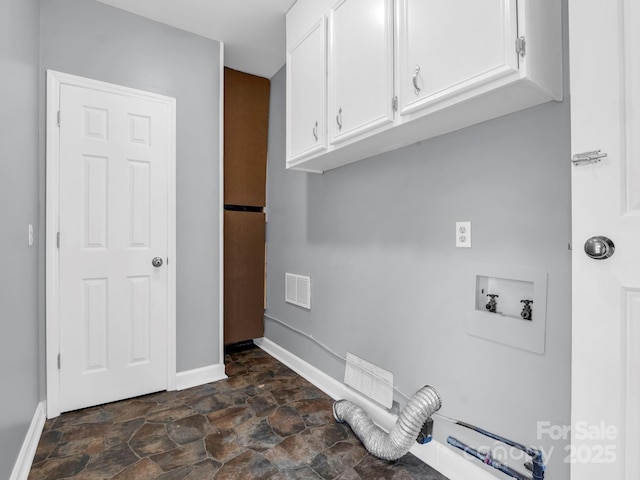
(448,47)
(360,67)
(306,95)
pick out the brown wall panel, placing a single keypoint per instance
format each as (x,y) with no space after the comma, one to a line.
(246,127)
(244,240)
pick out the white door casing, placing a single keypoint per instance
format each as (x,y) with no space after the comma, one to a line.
(605,115)
(111,196)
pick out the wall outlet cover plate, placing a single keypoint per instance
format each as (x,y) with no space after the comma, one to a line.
(463,234)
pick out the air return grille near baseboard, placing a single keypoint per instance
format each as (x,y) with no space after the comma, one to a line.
(369,379)
(298,290)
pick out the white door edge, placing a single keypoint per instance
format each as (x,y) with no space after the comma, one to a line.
(221,212)
(52,268)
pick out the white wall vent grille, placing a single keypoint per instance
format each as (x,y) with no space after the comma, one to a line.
(369,379)
(298,290)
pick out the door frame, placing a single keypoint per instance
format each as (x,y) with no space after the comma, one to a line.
(55,80)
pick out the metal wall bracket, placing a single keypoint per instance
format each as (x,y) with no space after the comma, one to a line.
(588,158)
(521,46)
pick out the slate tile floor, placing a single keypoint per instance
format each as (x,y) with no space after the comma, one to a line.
(263,422)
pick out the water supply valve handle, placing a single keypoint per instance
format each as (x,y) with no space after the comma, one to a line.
(526,313)
(492,305)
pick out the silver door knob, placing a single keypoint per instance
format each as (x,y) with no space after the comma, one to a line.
(156,262)
(599,248)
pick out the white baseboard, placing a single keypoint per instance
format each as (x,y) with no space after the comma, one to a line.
(200,376)
(433,453)
(24,461)
(335,389)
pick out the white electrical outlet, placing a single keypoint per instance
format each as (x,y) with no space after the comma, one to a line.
(463,234)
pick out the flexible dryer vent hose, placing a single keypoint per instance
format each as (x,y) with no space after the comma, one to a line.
(396,443)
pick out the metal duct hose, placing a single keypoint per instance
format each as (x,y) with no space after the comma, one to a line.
(396,443)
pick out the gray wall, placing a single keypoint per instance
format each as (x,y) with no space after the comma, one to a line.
(19,24)
(93,40)
(377,238)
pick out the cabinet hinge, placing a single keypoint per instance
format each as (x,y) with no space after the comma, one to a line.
(521,44)
(58,361)
(58,239)
(58,117)
(394,103)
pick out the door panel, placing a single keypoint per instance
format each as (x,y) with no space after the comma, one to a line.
(140,206)
(306,95)
(244,267)
(95,299)
(446,47)
(114,201)
(360,48)
(139,319)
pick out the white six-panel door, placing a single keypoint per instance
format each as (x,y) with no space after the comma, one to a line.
(115,209)
(605,115)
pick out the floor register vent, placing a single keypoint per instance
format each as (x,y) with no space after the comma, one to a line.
(369,379)
(298,290)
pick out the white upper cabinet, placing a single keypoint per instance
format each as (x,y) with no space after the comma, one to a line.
(448,46)
(306,94)
(443,64)
(360,68)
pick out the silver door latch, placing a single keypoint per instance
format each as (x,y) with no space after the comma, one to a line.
(588,158)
